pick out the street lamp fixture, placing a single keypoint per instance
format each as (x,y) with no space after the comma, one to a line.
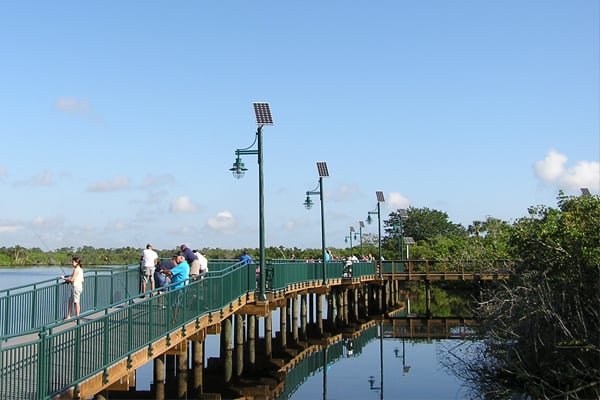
(262,112)
(308,203)
(380,199)
(350,237)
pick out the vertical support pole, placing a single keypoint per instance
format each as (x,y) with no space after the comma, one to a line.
(261,213)
(239,345)
(295,319)
(323,248)
(303,302)
(269,335)
(227,348)
(159,377)
(320,314)
(197,366)
(283,326)
(182,373)
(251,331)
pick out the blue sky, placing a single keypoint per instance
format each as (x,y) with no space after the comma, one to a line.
(120,120)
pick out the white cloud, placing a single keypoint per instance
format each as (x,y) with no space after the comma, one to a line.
(43,179)
(11,228)
(396,200)
(222,222)
(343,192)
(71,105)
(553,169)
(183,204)
(117,183)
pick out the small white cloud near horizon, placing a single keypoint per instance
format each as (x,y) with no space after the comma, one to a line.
(183,204)
(222,222)
(11,228)
(117,183)
(396,201)
(553,170)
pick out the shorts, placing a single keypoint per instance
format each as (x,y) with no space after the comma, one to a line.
(195,267)
(147,274)
(76,294)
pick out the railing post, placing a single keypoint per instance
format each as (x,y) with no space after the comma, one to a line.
(42,389)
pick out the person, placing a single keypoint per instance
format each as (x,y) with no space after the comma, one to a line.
(245,258)
(76,281)
(161,280)
(347,271)
(328,256)
(149,260)
(180,273)
(191,259)
(203,263)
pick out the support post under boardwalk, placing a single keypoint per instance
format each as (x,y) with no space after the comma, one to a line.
(239,345)
(269,335)
(227,347)
(303,301)
(197,366)
(428,298)
(182,374)
(355,303)
(380,298)
(251,331)
(295,319)
(159,377)
(283,326)
(320,314)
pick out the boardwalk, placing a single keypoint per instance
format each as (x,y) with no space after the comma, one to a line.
(122,332)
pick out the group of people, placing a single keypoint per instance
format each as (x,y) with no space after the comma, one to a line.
(186,264)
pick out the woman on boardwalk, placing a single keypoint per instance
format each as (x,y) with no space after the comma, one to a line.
(76,280)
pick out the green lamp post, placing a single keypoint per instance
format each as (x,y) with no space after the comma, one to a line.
(308,203)
(352,231)
(380,199)
(262,112)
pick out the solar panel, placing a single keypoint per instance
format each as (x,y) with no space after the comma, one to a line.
(409,240)
(403,213)
(585,192)
(361,223)
(380,198)
(263,114)
(322,167)
(352,229)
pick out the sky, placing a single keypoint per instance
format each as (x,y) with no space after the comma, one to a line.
(119,121)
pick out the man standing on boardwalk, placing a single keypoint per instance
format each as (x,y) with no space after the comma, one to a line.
(191,259)
(149,259)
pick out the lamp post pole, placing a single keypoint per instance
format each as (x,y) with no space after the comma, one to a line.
(263,117)
(380,199)
(323,171)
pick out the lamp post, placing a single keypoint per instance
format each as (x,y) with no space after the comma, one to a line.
(323,172)
(399,229)
(380,199)
(361,225)
(352,231)
(262,112)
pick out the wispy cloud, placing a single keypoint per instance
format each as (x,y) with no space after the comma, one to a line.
(72,105)
(553,169)
(222,222)
(183,204)
(396,200)
(117,183)
(43,179)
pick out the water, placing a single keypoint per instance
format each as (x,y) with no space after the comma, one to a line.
(347,377)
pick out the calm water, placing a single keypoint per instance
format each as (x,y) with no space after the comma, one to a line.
(346,378)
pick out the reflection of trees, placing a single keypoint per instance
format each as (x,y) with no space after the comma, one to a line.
(448,300)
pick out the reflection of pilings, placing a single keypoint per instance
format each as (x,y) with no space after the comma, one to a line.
(380,299)
(320,314)
(182,373)
(239,345)
(170,370)
(303,316)
(251,332)
(268,335)
(159,377)
(295,319)
(365,297)
(311,307)
(355,303)
(331,309)
(197,366)
(283,325)
(226,350)
(428,298)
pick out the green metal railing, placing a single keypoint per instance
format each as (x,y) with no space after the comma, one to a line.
(61,358)
(26,309)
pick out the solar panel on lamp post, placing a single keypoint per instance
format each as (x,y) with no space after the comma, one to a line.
(409,241)
(380,199)
(323,172)
(262,112)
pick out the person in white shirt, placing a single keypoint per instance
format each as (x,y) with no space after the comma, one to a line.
(203,263)
(148,260)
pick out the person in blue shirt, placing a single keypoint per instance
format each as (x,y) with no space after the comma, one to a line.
(180,273)
(246,259)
